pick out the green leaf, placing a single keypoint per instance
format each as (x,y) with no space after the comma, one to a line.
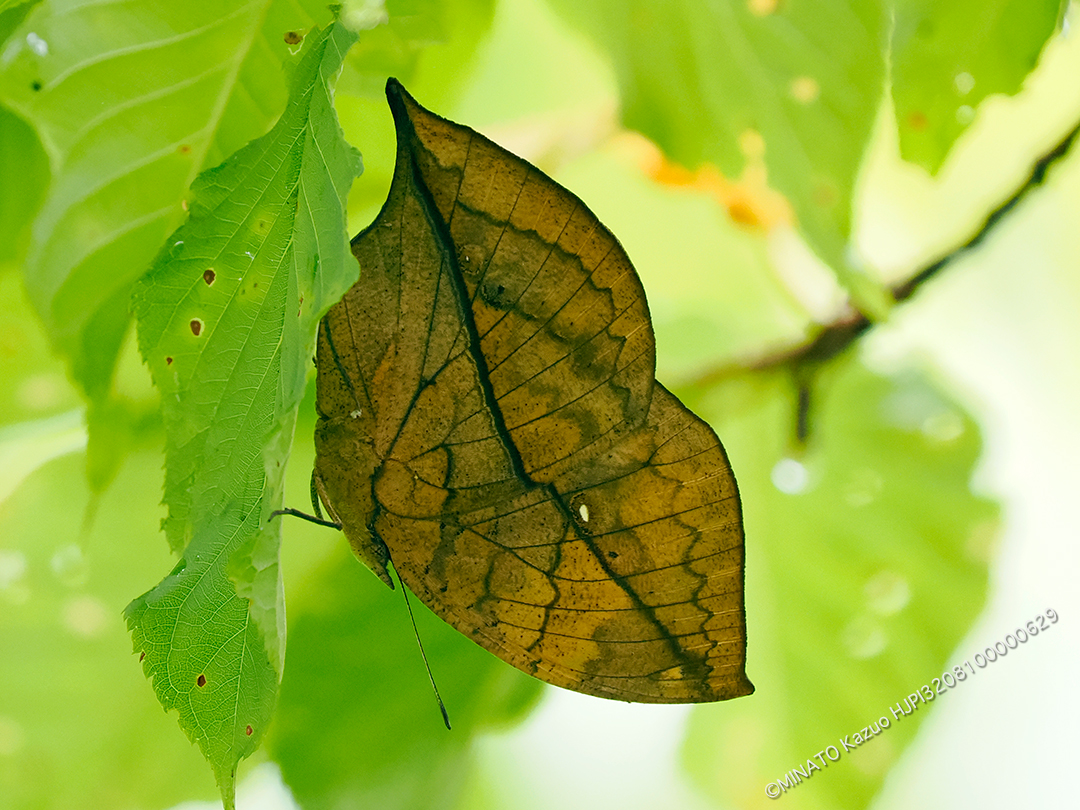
(719,82)
(12,13)
(26,446)
(8,5)
(848,619)
(24,176)
(78,727)
(130,101)
(948,57)
(32,379)
(423,43)
(355,672)
(226,321)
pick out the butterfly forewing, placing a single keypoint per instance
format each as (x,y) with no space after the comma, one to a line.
(560,313)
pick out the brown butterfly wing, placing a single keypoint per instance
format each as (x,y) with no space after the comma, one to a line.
(532,483)
(560,313)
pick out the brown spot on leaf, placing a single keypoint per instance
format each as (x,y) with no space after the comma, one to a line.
(293,37)
(209,275)
(917,121)
(142,655)
(196,327)
(184,148)
(201,680)
(249,730)
(168,361)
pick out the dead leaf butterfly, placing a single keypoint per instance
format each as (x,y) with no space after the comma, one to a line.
(489,421)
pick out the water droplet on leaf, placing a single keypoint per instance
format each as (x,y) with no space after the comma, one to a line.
(790,476)
(37,44)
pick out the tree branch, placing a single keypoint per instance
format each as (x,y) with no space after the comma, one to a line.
(834,339)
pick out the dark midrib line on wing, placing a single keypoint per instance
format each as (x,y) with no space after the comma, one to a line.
(457,286)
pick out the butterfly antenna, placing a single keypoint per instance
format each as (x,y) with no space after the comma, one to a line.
(427,666)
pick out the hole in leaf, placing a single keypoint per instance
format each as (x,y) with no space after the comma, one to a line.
(196,326)
(142,655)
(168,361)
(293,37)
(36,86)
(209,275)
(201,680)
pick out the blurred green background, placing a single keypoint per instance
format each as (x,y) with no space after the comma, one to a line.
(929,514)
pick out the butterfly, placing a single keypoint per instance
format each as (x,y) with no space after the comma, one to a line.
(490,424)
